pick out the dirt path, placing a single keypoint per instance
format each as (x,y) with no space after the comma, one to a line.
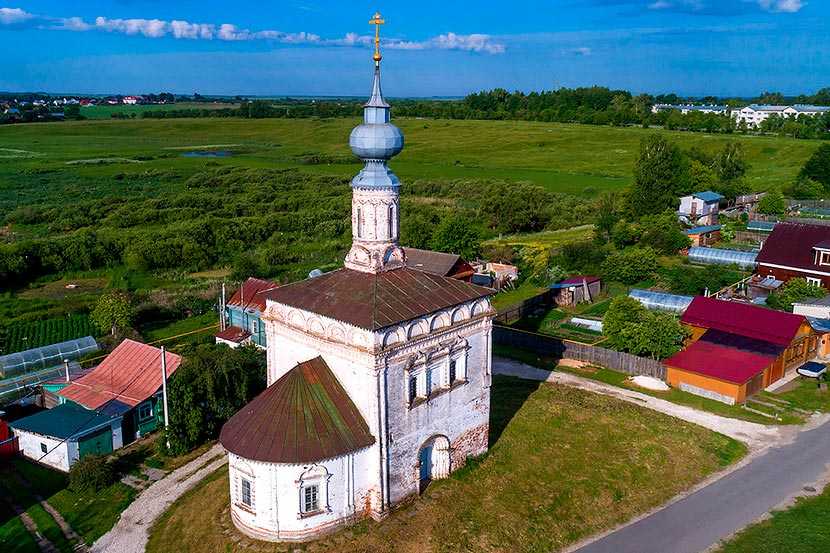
(131,532)
(756,436)
(68,532)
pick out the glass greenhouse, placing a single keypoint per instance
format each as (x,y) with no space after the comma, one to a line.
(45,357)
(715,256)
(661,301)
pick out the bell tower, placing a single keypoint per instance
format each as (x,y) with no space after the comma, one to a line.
(376,189)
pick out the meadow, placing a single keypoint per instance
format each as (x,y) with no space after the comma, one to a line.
(107,111)
(568,158)
(127,203)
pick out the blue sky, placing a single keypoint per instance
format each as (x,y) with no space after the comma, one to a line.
(316,47)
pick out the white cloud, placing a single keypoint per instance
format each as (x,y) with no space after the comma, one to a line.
(14,16)
(582,51)
(788,6)
(186,30)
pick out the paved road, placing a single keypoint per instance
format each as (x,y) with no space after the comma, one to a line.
(783,462)
(715,512)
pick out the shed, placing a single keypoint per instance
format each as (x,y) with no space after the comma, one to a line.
(576,289)
(59,437)
(704,235)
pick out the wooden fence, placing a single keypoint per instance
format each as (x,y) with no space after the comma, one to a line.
(557,348)
(513,313)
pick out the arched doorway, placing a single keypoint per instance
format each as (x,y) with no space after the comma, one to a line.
(433,461)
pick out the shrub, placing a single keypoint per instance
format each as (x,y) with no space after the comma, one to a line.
(630,265)
(91,473)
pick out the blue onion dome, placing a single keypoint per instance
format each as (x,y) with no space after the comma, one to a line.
(376,138)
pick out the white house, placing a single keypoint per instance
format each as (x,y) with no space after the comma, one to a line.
(379,374)
(700,208)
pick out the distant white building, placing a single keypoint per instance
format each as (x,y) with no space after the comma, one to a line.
(132,100)
(755,114)
(688,108)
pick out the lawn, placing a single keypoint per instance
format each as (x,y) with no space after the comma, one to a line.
(512,298)
(15,538)
(616,378)
(548,239)
(803,528)
(106,111)
(91,514)
(563,464)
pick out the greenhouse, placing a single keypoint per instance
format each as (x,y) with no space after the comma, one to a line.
(46,357)
(661,301)
(715,256)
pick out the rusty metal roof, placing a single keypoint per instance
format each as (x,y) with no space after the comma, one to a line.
(437,263)
(303,417)
(130,374)
(251,295)
(375,301)
(233,334)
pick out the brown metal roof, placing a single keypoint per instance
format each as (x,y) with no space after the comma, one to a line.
(233,334)
(375,301)
(437,263)
(130,374)
(303,417)
(251,295)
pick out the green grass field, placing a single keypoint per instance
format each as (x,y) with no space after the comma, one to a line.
(577,159)
(803,528)
(26,335)
(563,464)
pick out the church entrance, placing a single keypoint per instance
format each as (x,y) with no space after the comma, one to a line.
(433,461)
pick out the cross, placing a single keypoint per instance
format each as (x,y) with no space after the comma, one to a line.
(377,21)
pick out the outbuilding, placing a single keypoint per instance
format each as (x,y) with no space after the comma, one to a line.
(738,349)
(61,436)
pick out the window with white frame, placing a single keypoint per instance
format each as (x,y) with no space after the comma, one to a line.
(824,258)
(145,411)
(311,498)
(453,372)
(313,488)
(246,492)
(433,379)
(254,326)
(814,281)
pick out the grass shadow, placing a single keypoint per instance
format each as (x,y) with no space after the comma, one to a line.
(507,396)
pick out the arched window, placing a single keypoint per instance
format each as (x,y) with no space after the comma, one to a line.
(390,222)
(359,223)
(314,484)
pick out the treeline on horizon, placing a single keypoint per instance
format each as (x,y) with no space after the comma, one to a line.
(592,106)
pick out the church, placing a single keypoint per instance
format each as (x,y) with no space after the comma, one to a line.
(378,378)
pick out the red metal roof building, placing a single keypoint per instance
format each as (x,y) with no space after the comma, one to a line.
(304,417)
(252,294)
(737,349)
(243,314)
(439,263)
(130,375)
(797,250)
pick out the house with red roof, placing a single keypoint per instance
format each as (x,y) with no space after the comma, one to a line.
(100,411)
(797,250)
(737,349)
(242,322)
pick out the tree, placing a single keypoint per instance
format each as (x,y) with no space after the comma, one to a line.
(818,166)
(631,327)
(730,164)
(538,267)
(630,265)
(209,387)
(662,232)
(457,235)
(805,188)
(773,203)
(113,312)
(623,312)
(661,175)
(794,291)
(72,111)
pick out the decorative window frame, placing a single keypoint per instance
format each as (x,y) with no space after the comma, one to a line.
(319,476)
(241,474)
(814,281)
(431,372)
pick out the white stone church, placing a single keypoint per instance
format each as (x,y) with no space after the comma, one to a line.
(378,374)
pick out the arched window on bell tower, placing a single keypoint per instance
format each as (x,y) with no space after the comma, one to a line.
(359,222)
(390,222)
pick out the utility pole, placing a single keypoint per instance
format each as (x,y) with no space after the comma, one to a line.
(66,368)
(222,308)
(164,387)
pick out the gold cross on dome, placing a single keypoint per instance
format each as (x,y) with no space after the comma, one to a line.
(377,21)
